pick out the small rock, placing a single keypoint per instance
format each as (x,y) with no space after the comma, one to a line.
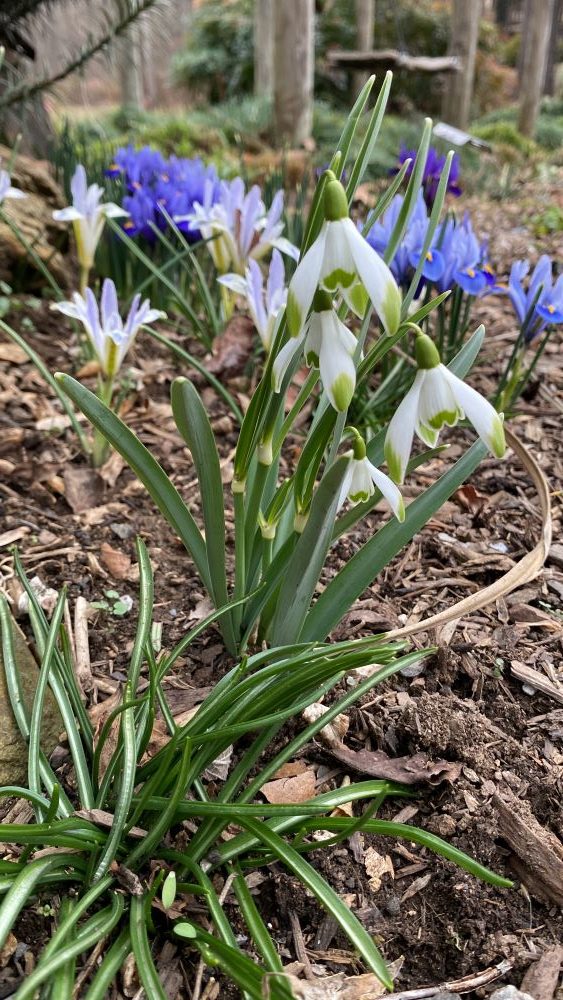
(392,906)
(555,556)
(445,995)
(122,530)
(442,826)
(510,993)
(13,750)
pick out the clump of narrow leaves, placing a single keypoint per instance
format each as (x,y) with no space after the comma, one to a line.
(108,870)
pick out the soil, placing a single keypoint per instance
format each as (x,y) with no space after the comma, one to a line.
(465,706)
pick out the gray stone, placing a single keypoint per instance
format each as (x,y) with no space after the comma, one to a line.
(13,749)
(510,993)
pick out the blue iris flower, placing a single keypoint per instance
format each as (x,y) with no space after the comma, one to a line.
(409,250)
(465,259)
(541,304)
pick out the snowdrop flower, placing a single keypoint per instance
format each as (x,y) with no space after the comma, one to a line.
(338,259)
(264,303)
(362,479)
(237,225)
(541,304)
(328,345)
(109,335)
(437,398)
(6,189)
(88,215)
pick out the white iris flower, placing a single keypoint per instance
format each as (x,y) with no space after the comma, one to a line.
(108,334)
(341,260)
(88,215)
(264,303)
(6,189)
(437,398)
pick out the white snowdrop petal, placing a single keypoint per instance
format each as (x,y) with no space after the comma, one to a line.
(485,419)
(304,283)
(398,441)
(376,278)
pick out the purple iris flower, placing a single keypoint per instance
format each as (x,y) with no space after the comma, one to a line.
(432,171)
(157,187)
(409,250)
(542,290)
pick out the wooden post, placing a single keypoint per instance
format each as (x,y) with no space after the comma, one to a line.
(263,48)
(365,16)
(536,30)
(294,57)
(456,104)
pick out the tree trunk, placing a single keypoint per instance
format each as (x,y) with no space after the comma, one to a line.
(294,52)
(536,31)
(549,82)
(456,105)
(365,15)
(129,65)
(501,13)
(264,48)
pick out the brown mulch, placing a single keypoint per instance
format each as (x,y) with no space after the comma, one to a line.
(464,707)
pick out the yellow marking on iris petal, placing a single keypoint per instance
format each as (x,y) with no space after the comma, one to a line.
(429,256)
(128,224)
(470,272)
(551,310)
(487,268)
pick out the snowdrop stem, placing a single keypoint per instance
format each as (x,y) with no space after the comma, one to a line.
(336,437)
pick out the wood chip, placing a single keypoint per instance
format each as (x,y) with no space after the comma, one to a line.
(542,977)
(539,853)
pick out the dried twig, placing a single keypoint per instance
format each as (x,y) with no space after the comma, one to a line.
(465,985)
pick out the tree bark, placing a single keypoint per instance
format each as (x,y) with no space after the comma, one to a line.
(263,48)
(549,82)
(129,51)
(456,105)
(294,51)
(536,30)
(365,16)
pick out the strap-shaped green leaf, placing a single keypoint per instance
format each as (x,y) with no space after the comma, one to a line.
(307,560)
(145,467)
(193,423)
(363,567)
(328,898)
(364,156)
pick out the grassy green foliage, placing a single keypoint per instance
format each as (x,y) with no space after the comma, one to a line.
(254,699)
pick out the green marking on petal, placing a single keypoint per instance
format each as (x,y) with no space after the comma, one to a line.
(358,299)
(393,464)
(342,392)
(312,359)
(338,279)
(400,512)
(449,417)
(360,497)
(293,314)
(497,441)
(391,308)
